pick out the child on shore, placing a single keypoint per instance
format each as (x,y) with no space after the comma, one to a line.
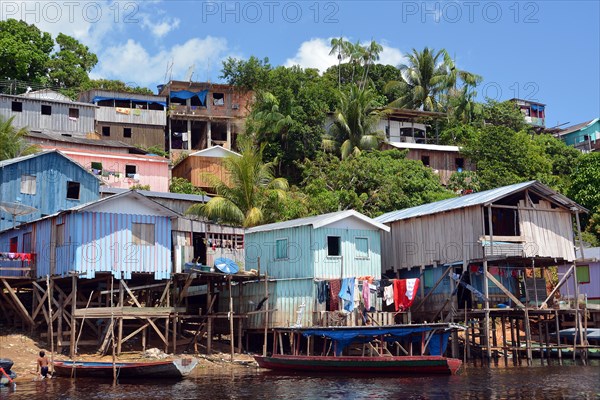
(42,365)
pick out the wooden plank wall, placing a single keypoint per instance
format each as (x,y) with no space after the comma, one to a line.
(548,232)
(444,237)
(193,167)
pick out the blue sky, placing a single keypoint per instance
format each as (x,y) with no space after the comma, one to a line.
(547,51)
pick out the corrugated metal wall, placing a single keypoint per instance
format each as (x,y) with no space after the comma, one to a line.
(52,172)
(327,267)
(59,120)
(262,244)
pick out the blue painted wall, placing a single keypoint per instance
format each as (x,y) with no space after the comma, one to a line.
(52,172)
(592,130)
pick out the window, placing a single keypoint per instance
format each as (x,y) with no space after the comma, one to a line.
(60,235)
(74,113)
(281,249)
(362,247)
(428,278)
(583,274)
(14,244)
(334,246)
(218,99)
(73,190)
(106,131)
(130,171)
(127,132)
(425,160)
(28,184)
(96,167)
(46,110)
(143,234)
(17,106)
(460,163)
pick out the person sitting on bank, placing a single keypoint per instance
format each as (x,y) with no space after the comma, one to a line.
(42,365)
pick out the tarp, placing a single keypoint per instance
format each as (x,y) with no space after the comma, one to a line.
(344,337)
(96,99)
(186,94)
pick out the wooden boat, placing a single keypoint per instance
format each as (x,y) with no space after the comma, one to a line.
(175,369)
(6,375)
(348,341)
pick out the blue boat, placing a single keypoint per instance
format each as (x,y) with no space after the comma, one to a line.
(175,369)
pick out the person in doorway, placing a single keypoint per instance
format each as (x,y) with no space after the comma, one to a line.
(42,365)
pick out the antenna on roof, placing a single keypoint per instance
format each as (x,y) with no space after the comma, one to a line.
(190,73)
(169,71)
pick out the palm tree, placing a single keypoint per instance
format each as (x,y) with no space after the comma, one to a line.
(12,140)
(354,123)
(371,55)
(341,47)
(241,197)
(424,78)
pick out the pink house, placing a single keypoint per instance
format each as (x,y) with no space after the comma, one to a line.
(123,170)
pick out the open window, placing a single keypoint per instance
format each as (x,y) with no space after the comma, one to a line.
(334,246)
(14,244)
(17,106)
(106,131)
(130,170)
(127,132)
(73,190)
(74,113)
(96,167)
(460,163)
(46,110)
(218,99)
(425,160)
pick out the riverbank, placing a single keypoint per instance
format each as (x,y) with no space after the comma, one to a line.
(23,350)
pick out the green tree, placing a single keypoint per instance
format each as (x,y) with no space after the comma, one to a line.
(182,185)
(251,74)
(242,199)
(423,79)
(12,140)
(372,183)
(562,157)
(113,86)
(70,65)
(504,157)
(504,113)
(24,51)
(354,123)
(585,181)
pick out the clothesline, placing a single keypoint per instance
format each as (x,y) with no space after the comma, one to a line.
(16,256)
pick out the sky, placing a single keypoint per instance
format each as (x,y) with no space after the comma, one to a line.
(546,51)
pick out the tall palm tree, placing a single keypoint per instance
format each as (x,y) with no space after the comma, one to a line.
(12,140)
(371,55)
(240,198)
(341,47)
(354,123)
(423,79)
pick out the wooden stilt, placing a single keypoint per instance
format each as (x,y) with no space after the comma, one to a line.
(494,339)
(527,336)
(487,301)
(231,332)
(541,338)
(120,323)
(557,322)
(504,345)
(73,309)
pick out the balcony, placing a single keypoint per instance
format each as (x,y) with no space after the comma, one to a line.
(131,116)
(536,121)
(216,112)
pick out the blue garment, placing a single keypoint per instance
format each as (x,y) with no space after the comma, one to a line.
(347,293)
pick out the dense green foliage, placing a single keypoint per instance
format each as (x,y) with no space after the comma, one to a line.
(182,185)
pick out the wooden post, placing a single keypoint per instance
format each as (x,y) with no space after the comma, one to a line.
(121,304)
(504,349)
(73,320)
(174,338)
(487,306)
(231,332)
(112,329)
(541,336)
(494,339)
(209,320)
(527,336)
(50,321)
(557,323)
(579,235)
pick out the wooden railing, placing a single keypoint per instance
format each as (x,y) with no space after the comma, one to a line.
(355,318)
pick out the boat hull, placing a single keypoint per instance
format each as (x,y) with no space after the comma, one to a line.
(162,369)
(354,364)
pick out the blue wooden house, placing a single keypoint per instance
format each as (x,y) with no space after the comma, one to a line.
(123,234)
(43,183)
(299,254)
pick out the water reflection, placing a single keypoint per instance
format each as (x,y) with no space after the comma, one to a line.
(477,382)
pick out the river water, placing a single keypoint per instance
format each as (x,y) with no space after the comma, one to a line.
(569,381)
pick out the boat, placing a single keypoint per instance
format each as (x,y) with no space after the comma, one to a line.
(591,334)
(175,369)
(364,350)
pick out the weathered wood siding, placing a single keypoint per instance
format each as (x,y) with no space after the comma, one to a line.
(548,232)
(141,135)
(32,118)
(193,169)
(444,237)
(443,163)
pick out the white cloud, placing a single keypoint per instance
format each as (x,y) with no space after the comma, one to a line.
(160,28)
(314,53)
(132,63)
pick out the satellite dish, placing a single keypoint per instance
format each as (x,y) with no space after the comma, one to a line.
(226,265)
(16,209)
(190,73)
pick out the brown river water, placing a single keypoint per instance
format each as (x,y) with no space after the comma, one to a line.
(570,381)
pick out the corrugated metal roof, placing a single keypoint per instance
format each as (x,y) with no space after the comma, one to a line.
(318,221)
(41,153)
(161,195)
(475,199)
(577,127)
(59,137)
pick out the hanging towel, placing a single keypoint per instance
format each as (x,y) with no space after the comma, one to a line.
(405,292)
(322,291)
(388,294)
(334,290)
(347,294)
(399,292)
(366,294)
